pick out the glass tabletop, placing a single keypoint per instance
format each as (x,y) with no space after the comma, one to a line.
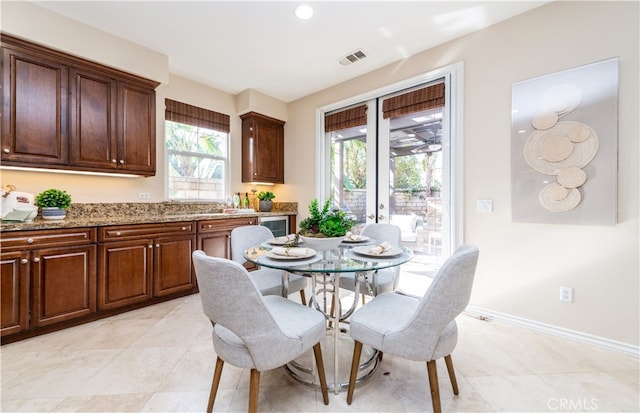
(345,258)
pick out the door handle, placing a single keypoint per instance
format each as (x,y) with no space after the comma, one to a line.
(371,216)
(380,217)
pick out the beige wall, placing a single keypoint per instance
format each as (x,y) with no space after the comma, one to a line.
(521,265)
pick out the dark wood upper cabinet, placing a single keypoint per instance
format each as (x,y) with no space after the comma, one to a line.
(93,120)
(262,148)
(64,112)
(34,109)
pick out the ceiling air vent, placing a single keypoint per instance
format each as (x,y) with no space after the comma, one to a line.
(352,57)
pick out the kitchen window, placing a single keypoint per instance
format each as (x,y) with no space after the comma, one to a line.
(197,148)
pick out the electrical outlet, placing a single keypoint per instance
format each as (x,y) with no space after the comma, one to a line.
(566,294)
(144,195)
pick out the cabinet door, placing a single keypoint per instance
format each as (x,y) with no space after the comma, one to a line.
(64,284)
(173,271)
(93,120)
(14,290)
(216,244)
(34,117)
(262,149)
(124,273)
(136,129)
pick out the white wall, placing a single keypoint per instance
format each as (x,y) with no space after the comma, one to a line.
(522,266)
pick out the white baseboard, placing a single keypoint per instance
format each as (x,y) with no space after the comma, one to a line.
(555,330)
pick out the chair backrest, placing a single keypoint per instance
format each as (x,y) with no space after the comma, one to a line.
(231,299)
(246,237)
(384,232)
(447,296)
(390,233)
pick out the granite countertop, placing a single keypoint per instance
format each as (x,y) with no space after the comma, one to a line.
(124,214)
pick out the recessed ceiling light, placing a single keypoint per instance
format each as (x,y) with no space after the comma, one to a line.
(304,12)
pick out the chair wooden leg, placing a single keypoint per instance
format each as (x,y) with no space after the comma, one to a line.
(380,353)
(317,351)
(433,384)
(363,299)
(355,364)
(254,385)
(214,384)
(452,374)
(303,298)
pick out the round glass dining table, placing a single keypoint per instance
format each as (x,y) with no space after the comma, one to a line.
(324,269)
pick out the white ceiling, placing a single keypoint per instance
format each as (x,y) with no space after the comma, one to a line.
(236,45)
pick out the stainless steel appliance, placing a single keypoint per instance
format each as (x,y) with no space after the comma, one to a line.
(279,225)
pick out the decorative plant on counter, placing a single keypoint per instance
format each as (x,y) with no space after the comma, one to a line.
(54,203)
(265,196)
(265,200)
(325,223)
(53,198)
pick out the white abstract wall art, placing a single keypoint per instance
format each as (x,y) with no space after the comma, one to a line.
(564,151)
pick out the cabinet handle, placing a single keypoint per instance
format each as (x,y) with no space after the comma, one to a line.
(121,161)
(29,240)
(150,245)
(184,228)
(24,261)
(157,245)
(113,161)
(36,259)
(6,150)
(118,233)
(209,226)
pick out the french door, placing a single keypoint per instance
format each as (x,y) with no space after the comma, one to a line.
(392,162)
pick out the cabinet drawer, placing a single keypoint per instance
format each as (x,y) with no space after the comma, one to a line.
(127,232)
(214,225)
(47,238)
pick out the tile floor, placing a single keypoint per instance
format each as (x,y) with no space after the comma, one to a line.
(160,359)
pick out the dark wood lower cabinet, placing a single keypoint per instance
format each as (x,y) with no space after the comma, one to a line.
(125,269)
(142,262)
(14,290)
(64,284)
(52,279)
(48,277)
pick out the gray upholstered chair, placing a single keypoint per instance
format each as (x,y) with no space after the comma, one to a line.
(386,280)
(421,330)
(269,280)
(251,330)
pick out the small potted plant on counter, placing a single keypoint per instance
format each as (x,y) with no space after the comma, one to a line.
(266,202)
(324,229)
(54,203)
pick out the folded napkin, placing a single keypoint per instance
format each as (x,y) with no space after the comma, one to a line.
(291,252)
(379,249)
(286,239)
(354,237)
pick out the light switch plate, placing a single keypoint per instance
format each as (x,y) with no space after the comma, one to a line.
(484,205)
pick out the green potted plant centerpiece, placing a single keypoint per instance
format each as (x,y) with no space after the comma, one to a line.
(54,203)
(266,202)
(325,228)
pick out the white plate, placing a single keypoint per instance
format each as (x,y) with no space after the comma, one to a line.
(363,238)
(310,253)
(281,241)
(364,250)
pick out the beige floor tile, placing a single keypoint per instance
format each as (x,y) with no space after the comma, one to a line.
(594,391)
(135,370)
(54,374)
(184,402)
(30,405)
(161,358)
(105,404)
(515,393)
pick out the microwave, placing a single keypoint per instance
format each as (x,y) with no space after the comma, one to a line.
(278,225)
